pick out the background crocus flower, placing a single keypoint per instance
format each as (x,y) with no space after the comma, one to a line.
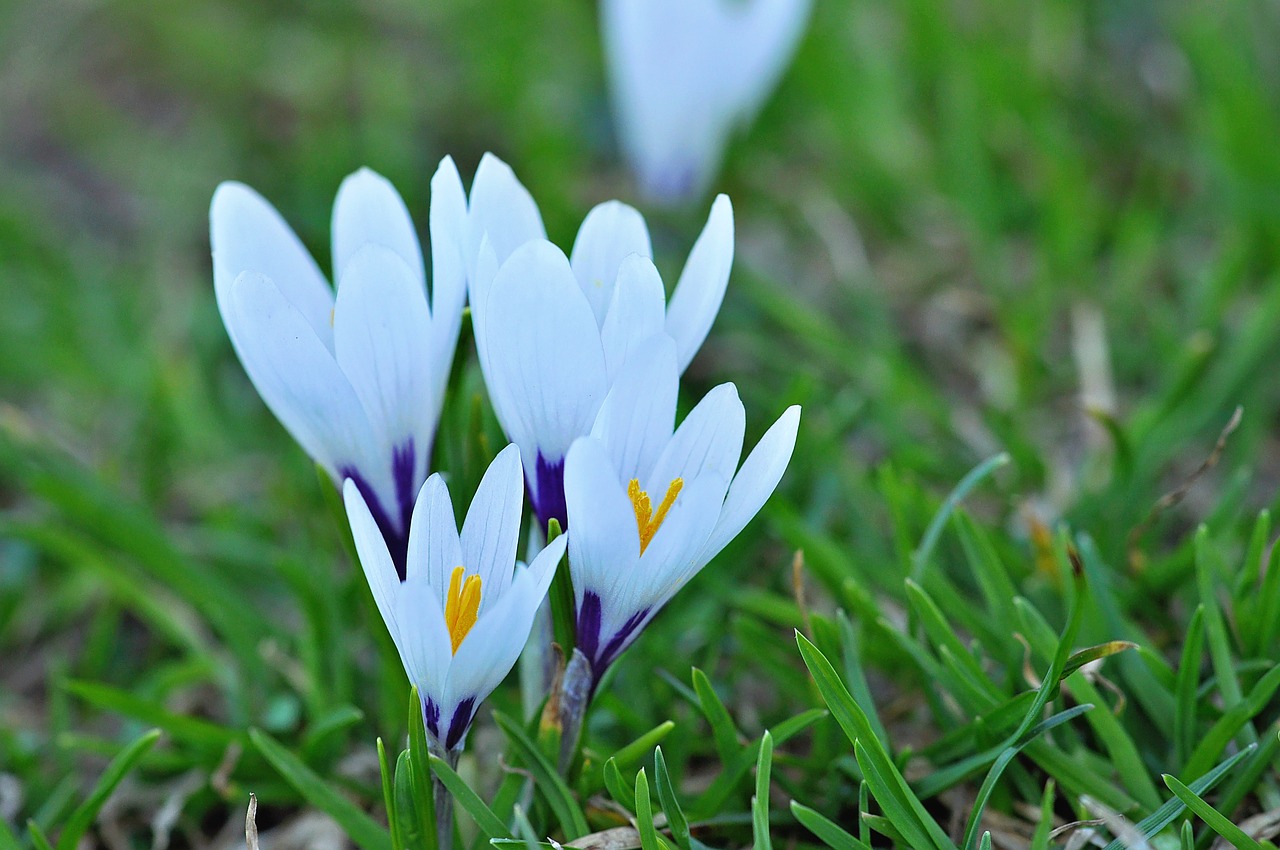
(552,332)
(649,508)
(685,73)
(358,378)
(462,611)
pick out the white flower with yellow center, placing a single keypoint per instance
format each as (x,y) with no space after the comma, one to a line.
(358,378)
(464,608)
(552,332)
(685,73)
(649,508)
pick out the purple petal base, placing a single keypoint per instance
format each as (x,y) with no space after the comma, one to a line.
(458,723)
(601,653)
(548,492)
(394,524)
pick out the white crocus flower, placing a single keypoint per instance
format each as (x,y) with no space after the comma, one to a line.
(649,508)
(463,610)
(358,378)
(552,332)
(685,73)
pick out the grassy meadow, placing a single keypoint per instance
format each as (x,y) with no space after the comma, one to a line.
(1017,261)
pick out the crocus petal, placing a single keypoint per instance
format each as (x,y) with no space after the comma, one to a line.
(374,558)
(381,340)
(448,223)
(638,415)
(755,482)
(603,541)
(544,364)
(700,290)
(501,208)
(247,234)
(424,644)
(434,548)
(636,312)
(708,440)
(367,210)
(764,40)
(411,612)
(669,558)
(489,651)
(298,378)
(491,531)
(610,233)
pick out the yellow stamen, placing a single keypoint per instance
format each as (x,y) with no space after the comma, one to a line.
(461,606)
(648,521)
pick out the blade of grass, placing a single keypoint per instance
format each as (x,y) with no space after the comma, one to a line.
(828,831)
(82,818)
(489,823)
(1217,821)
(760,802)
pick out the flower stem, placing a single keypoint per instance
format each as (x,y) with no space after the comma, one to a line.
(443,801)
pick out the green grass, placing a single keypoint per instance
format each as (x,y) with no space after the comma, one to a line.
(1048,230)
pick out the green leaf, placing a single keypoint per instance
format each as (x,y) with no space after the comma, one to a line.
(388,796)
(1217,821)
(359,827)
(408,811)
(82,818)
(1188,682)
(644,814)
(722,728)
(676,820)
(38,838)
(642,746)
(831,834)
(1232,721)
(191,730)
(889,788)
(546,779)
(920,557)
(419,764)
(1169,812)
(562,599)
(1040,838)
(760,802)
(489,823)
(617,786)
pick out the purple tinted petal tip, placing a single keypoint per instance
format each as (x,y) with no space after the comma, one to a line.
(461,720)
(589,637)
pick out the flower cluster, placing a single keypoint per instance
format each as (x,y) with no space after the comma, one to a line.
(582,357)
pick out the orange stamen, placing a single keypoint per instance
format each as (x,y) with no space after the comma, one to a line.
(648,521)
(462,605)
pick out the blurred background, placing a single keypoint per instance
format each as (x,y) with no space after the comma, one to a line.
(964,227)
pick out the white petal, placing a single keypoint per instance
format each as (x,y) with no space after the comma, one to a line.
(638,415)
(708,440)
(298,378)
(669,560)
(247,234)
(491,531)
(610,233)
(382,330)
(448,222)
(411,612)
(764,40)
(491,648)
(434,549)
(501,208)
(604,542)
(367,210)
(637,311)
(700,290)
(755,482)
(425,647)
(544,365)
(374,558)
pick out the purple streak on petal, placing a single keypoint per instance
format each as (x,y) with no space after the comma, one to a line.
(588,636)
(621,639)
(461,720)
(393,525)
(548,500)
(431,714)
